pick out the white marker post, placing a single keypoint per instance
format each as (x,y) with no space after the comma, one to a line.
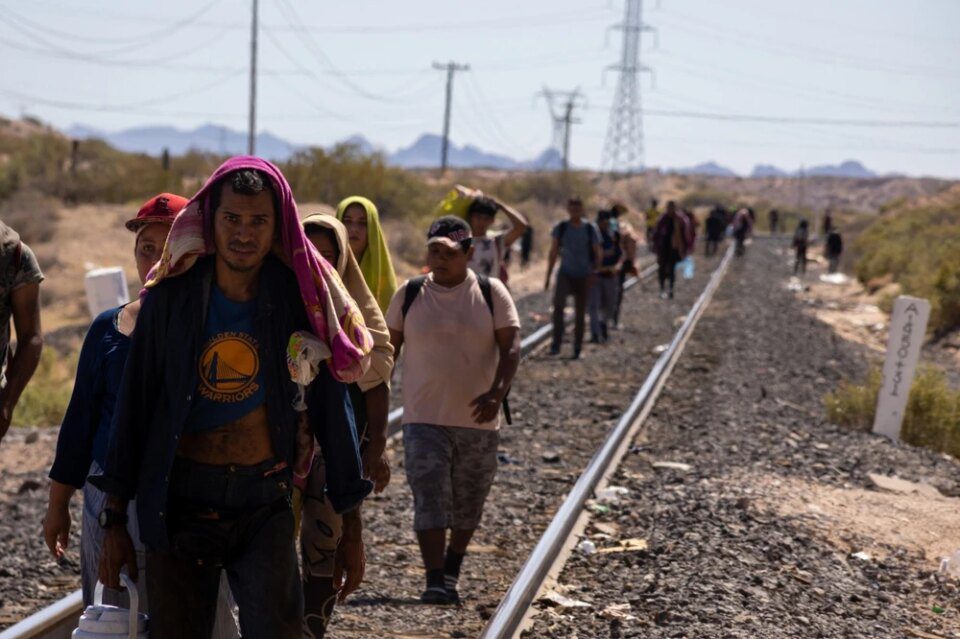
(908,324)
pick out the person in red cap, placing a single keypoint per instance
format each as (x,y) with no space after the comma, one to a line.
(82,443)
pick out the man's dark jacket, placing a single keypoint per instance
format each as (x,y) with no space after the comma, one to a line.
(160,381)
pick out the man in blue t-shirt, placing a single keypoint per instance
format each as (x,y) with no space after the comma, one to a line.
(576,242)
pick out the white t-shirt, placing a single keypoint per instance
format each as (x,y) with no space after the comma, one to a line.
(487,254)
(450,352)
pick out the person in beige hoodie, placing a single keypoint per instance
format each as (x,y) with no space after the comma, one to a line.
(331,545)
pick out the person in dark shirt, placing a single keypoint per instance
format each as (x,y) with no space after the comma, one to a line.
(243,326)
(833,249)
(801,240)
(716,225)
(670,242)
(84,432)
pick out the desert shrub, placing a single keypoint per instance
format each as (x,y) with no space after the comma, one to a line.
(32,214)
(932,417)
(919,248)
(45,399)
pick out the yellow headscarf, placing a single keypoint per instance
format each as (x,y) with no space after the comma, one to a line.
(375,264)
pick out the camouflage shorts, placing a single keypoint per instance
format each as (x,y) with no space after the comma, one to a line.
(450,471)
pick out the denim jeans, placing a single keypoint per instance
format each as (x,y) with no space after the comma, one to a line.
(235,518)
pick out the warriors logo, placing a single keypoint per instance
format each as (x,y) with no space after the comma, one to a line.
(228,368)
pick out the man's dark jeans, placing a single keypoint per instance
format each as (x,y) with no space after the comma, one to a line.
(237,518)
(579,287)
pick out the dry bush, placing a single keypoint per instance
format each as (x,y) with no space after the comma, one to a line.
(932,418)
(45,399)
(31,214)
(919,249)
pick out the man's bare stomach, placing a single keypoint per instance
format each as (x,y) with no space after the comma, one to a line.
(243,442)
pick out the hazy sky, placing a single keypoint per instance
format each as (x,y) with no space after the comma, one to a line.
(364,66)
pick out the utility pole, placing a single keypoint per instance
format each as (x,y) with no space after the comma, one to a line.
(451,68)
(623,150)
(252,124)
(562,105)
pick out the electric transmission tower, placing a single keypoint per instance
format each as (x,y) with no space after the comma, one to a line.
(623,150)
(562,105)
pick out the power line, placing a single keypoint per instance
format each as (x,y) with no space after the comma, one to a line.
(139,39)
(742,117)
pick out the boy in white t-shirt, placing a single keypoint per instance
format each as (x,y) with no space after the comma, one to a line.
(462,338)
(490,247)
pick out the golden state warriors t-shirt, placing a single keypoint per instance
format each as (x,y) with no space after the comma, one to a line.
(231,382)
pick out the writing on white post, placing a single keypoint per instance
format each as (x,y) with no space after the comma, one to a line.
(908,324)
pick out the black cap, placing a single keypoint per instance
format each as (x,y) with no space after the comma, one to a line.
(450,230)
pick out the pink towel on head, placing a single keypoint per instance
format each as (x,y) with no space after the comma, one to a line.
(333,314)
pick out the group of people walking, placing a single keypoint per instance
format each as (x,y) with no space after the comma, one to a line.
(240,404)
(238,407)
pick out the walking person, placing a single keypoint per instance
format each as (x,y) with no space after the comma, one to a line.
(526,247)
(716,226)
(331,545)
(20,279)
(650,218)
(490,248)
(742,225)
(85,429)
(774,222)
(576,242)
(833,250)
(628,267)
(827,222)
(604,292)
(205,434)
(801,240)
(454,325)
(670,244)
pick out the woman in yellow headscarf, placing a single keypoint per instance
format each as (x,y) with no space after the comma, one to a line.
(359,215)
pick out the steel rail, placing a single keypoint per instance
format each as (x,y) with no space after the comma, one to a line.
(58,620)
(510,614)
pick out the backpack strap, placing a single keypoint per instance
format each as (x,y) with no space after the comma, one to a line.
(561,229)
(414,284)
(485,289)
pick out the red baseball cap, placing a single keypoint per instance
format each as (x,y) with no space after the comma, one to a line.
(161,208)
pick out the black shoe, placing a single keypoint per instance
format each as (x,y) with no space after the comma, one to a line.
(436,596)
(576,354)
(453,597)
(554,350)
(604,335)
(595,339)
(670,294)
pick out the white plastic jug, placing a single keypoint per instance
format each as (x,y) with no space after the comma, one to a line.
(106,288)
(99,621)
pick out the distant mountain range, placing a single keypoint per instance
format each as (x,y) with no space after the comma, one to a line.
(424,152)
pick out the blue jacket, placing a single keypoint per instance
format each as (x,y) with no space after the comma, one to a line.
(161,377)
(85,430)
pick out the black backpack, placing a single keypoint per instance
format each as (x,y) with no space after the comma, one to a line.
(415,284)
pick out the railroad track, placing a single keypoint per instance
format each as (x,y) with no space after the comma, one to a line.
(550,552)
(58,620)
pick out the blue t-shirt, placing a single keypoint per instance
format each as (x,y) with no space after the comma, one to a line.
(231,379)
(576,247)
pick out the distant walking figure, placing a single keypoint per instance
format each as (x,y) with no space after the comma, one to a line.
(801,238)
(671,244)
(833,250)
